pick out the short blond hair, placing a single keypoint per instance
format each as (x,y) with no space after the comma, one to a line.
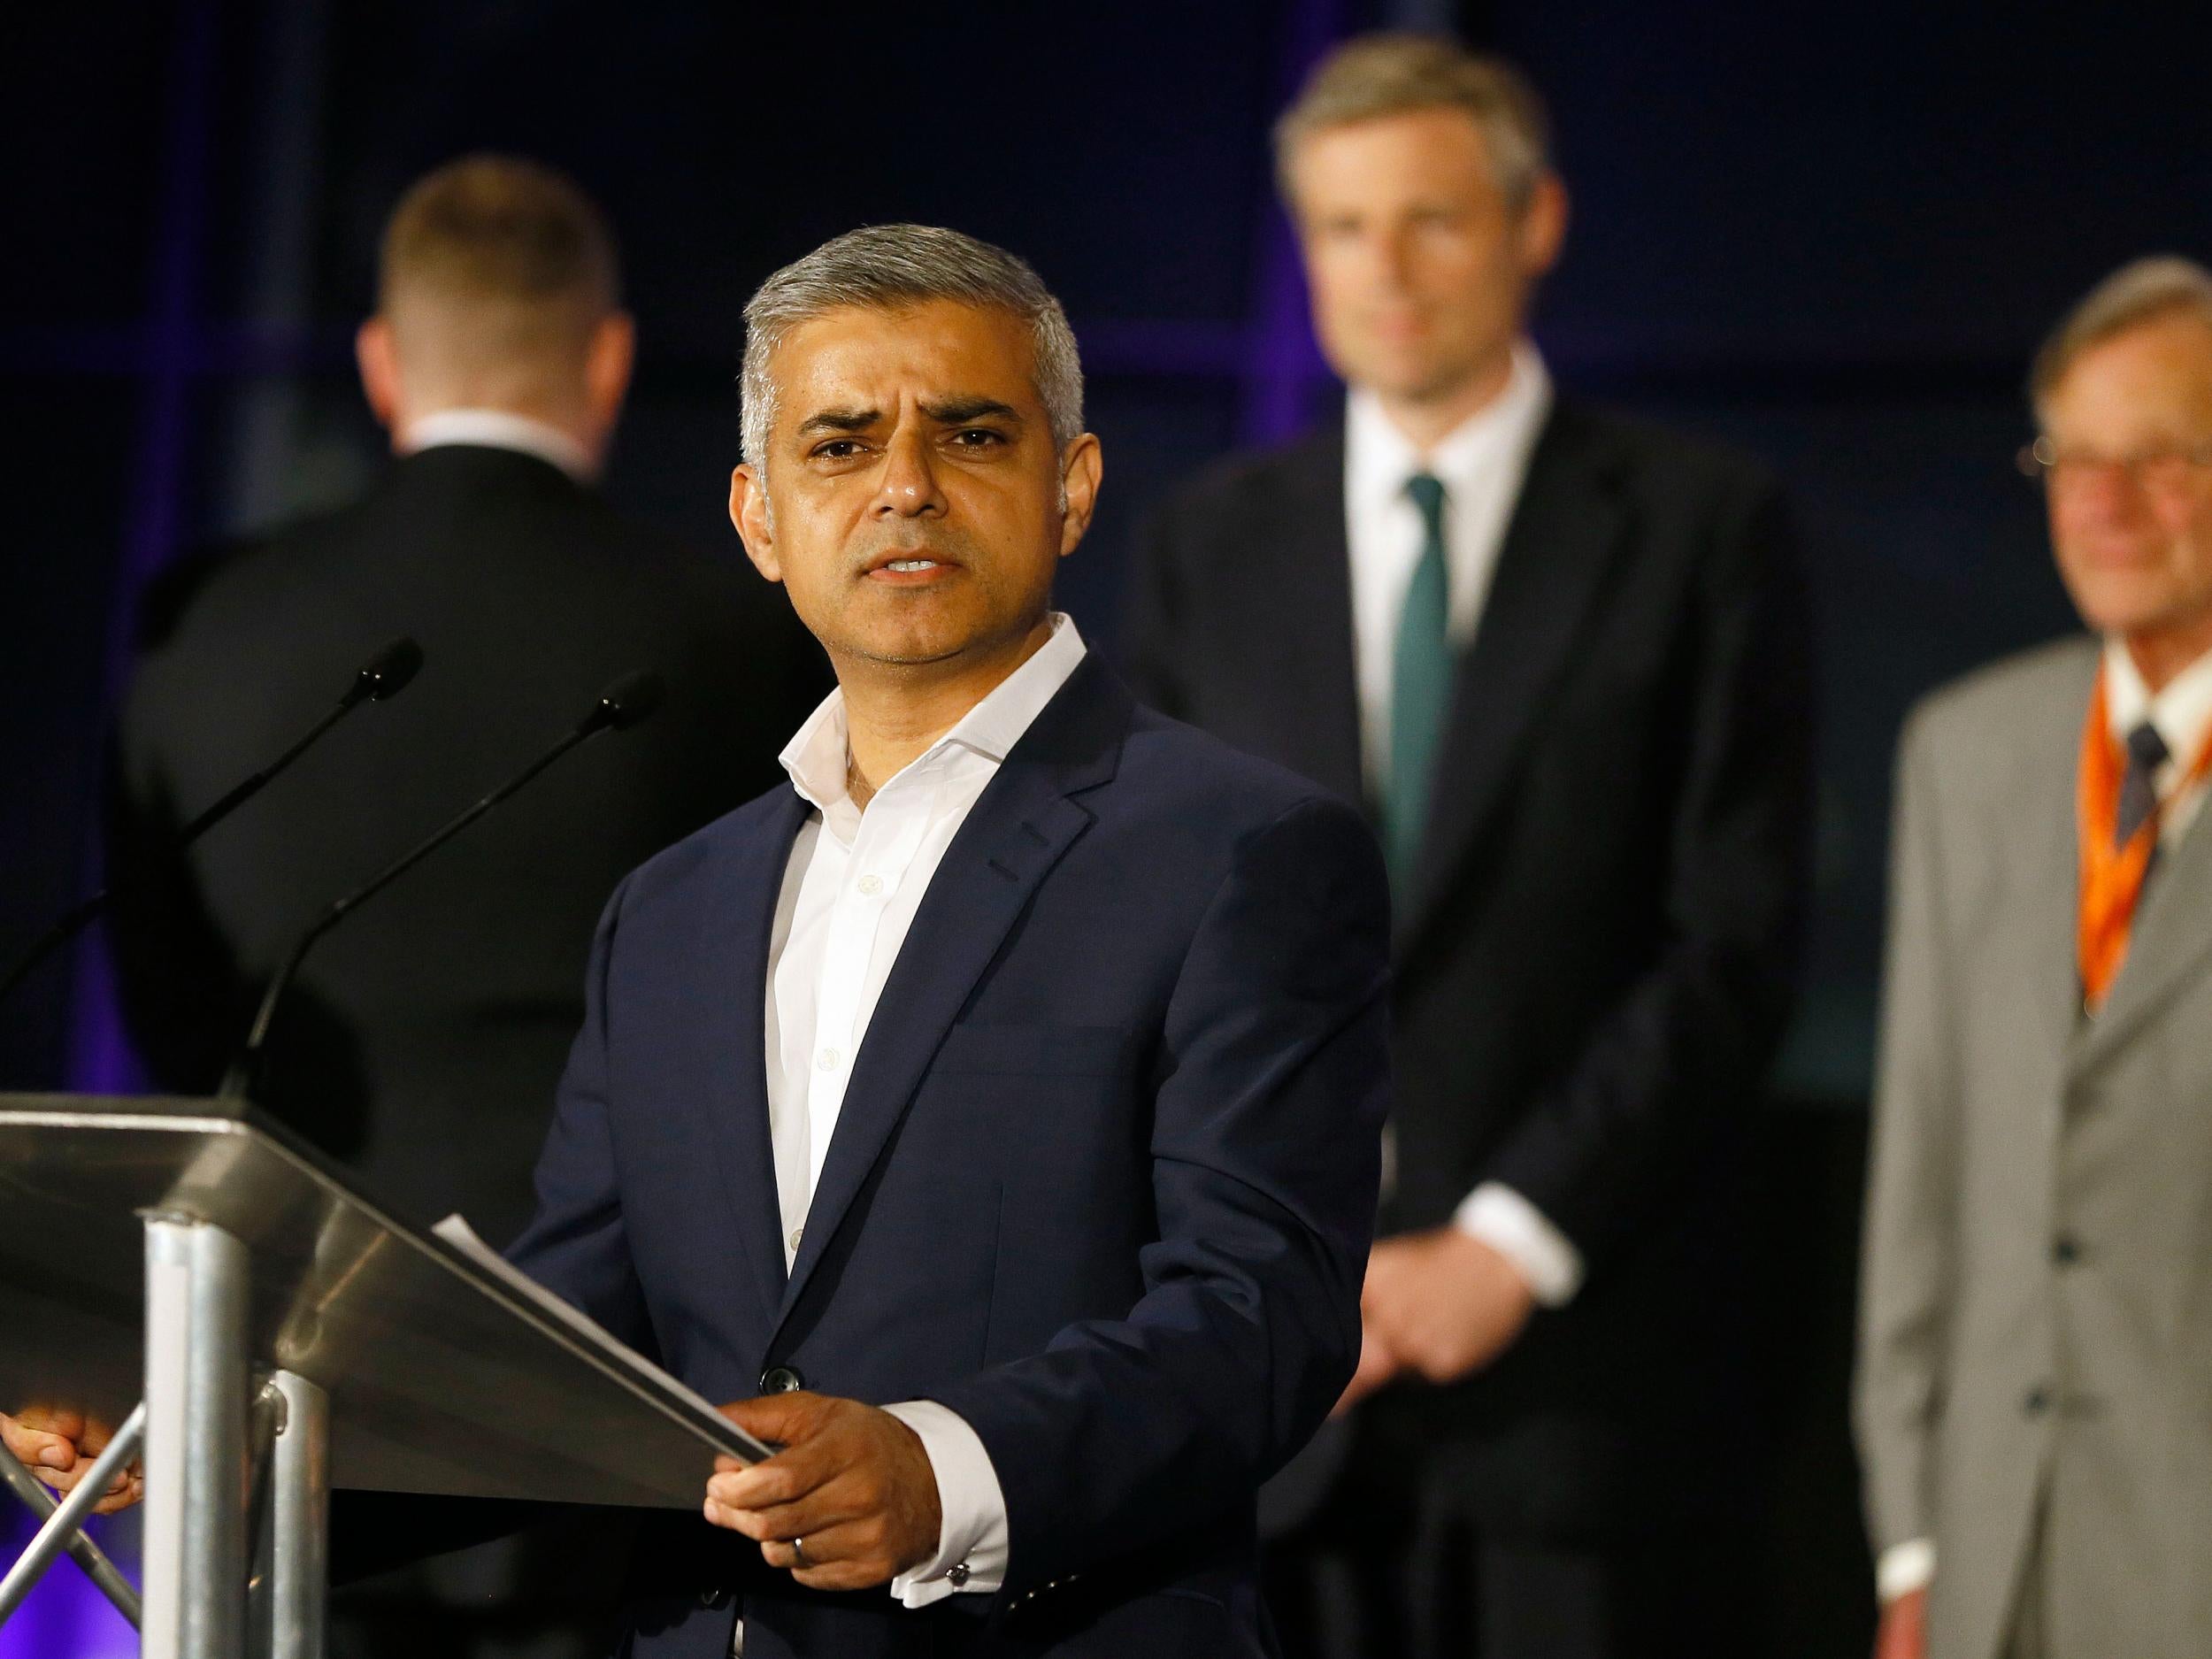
(2160,285)
(1394,74)
(496,269)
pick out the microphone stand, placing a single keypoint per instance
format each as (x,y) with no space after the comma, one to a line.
(622,705)
(385,676)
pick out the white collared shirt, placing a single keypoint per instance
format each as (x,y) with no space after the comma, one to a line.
(499,429)
(1482,463)
(2182,711)
(855,879)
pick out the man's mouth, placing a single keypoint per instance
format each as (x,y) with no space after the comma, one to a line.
(915,566)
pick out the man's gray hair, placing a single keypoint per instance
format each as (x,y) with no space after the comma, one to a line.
(893,268)
(2157,286)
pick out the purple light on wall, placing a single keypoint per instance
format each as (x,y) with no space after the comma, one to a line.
(65,1616)
(100,1062)
(1282,366)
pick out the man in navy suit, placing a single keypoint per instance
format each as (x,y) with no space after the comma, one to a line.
(1000,1103)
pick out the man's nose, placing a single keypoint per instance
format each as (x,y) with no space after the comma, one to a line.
(2106,492)
(1393,260)
(908,488)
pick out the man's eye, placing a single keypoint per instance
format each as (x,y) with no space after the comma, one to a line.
(836,449)
(978,438)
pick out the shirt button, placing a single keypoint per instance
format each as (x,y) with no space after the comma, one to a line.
(871,884)
(2066,1251)
(958,1575)
(782,1379)
(2037,1402)
(796,1234)
(826,1061)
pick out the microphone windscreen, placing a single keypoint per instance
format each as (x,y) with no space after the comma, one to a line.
(386,675)
(628,700)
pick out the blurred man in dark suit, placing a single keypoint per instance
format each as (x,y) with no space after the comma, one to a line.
(1564,659)
(427,1034)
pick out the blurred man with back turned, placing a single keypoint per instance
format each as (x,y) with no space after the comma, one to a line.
(430,1030)
(1563,658)
(2034,1395)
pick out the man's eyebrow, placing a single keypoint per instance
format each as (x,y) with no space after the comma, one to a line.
(839,421)
(959,411)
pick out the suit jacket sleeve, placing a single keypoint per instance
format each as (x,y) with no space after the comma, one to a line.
(1905,1283)
(183,998)
(1264,1167)
(1690,1041)
(576,1244)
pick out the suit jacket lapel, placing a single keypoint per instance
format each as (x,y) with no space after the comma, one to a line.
(1309,631)
(2172,940)
(732,984)
(2041,896)
(1559,544)
(1016,831)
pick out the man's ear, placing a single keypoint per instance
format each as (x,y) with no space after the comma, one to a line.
(1082,465)
(377,357)
(755,525)
(607,363)
(1543,225)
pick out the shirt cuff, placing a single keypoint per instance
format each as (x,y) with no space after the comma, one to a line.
(1516,1230)
(971,1542)
(1903,1568)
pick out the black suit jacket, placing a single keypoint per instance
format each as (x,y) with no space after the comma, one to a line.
(428,1033)
(1596,962)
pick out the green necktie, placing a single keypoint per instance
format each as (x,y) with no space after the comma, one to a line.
(1420,690)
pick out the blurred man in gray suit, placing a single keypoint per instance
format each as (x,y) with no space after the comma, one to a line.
(2034,1397)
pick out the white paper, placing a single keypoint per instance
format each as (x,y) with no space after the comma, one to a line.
(456,1231)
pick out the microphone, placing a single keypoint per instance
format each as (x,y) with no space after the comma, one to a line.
(381,679)
(623,705)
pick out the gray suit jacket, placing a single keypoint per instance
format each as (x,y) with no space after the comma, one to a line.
(2036,1318)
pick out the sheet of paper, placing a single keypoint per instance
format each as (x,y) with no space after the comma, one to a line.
(456,1231)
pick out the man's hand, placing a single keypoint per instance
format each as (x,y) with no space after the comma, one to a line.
(1903,1632)
(60,1446)
(851,1481)
(1447,1303)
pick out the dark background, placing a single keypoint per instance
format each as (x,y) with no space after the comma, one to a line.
(1831,235)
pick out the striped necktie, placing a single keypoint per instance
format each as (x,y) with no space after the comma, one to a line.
(1420,690)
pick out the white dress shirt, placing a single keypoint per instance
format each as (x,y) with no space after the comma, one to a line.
(2182,711)
(498,429)
(850,893)
(1481,463)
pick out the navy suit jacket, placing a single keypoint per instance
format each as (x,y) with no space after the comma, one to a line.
(1104,1182)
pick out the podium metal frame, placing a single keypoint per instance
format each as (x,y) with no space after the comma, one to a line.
(211,1448)
(287,1336)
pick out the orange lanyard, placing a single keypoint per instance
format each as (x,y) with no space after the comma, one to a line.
(2111,876)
